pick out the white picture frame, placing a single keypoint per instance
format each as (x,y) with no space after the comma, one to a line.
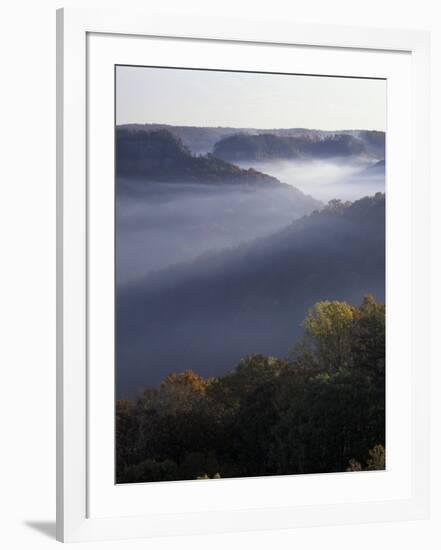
(77,401)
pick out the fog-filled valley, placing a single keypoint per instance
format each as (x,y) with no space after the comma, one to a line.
(219,257)
(168,223)
(346,165)
(173,206)
(250,315)
(326,179)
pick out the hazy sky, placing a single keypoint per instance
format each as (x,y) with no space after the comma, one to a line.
(213,98)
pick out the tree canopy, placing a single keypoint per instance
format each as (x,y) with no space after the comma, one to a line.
(320,410)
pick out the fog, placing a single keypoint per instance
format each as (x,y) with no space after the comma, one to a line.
(346,179)
(208,273)
(162,224)
(207,314)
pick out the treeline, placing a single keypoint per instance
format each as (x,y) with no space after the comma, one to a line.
(204,139)
(158,155)
(269,146)
(320,410)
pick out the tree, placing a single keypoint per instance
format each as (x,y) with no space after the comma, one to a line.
(187,379)
(324,411)
(377,458)
(369,335)
(126,427)
(327,335)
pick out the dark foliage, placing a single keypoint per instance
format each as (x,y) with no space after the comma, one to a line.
(269,146)
(158,155)
(320,410)
(204,139)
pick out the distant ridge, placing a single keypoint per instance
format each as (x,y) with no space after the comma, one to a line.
(240,147)
(202,139)
(158,155)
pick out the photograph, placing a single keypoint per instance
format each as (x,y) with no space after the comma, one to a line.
(221,248)
(250,274)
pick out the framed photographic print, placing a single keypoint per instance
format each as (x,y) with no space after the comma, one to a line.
(242,275)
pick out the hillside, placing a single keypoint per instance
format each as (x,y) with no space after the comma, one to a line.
(376,169)
(261,147)
(250,299)
(159,156)
(173,206)
(203,139)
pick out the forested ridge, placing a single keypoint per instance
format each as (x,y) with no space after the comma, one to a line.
(159,156)
(269,146)
(216,375)
(251,298)
(203,139)
(320,409)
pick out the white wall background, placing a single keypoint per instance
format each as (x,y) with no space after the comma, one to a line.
(27,272)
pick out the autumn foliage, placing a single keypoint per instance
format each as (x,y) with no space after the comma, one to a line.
(321,409)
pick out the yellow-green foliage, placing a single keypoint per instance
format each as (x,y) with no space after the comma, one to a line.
(328,329)
(206,476)
(322,410)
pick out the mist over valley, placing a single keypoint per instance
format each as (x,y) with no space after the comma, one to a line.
(218,257)
(207,314)
(250,315)
(326,179)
